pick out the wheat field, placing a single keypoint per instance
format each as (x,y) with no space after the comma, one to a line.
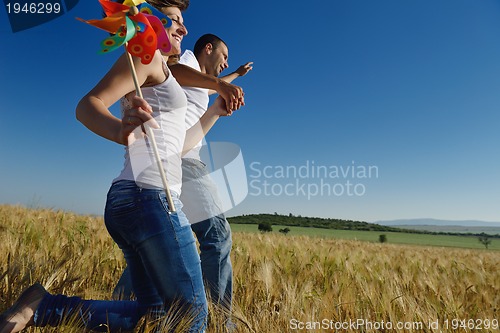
(281,283)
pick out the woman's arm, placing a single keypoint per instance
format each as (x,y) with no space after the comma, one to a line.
(93,109)
(190,77)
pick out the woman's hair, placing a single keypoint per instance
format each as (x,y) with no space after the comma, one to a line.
(159,4)
(204,40)
(181,4)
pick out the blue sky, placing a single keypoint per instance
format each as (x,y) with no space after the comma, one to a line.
(409,88)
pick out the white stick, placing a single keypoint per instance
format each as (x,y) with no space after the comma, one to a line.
(150,134)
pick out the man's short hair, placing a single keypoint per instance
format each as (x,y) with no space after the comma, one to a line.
(204,40)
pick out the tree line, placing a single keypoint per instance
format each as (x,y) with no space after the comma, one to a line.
(338,224)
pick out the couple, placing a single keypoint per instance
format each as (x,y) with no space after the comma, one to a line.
(158,244)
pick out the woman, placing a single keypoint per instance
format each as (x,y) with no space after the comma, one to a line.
(158,246)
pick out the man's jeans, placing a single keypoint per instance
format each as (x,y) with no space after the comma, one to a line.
(214,236)
(205,213)
(162,259)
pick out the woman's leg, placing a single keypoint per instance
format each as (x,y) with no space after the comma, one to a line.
(161,253)
(99,316)
(160,250)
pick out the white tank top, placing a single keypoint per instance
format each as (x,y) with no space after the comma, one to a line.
(169,104)
(198,100)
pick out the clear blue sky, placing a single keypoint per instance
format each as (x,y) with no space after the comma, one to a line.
(408,88)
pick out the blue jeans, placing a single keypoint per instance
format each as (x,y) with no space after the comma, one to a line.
(214,236)
(162,258)
(199,196)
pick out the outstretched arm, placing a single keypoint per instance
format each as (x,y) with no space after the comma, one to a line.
(241,71)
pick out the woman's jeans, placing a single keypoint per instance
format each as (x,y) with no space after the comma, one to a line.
(200,199)
(162,257)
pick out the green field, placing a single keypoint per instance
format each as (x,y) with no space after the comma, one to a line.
(373,236)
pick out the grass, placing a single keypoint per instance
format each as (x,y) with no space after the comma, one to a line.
(292,283)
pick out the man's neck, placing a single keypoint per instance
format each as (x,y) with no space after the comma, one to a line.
(202,66)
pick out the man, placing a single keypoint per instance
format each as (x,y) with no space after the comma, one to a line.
(201,68)
(199,193)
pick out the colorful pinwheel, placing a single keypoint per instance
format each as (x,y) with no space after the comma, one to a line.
(142,30)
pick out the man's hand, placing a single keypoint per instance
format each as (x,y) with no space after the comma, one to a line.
(244,69)
(233,95)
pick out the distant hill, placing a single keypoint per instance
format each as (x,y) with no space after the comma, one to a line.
(435,222)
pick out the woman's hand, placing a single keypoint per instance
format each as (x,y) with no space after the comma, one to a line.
(219,108)
(233,95)
(140,113)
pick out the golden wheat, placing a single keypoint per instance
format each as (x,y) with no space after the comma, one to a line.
(281,283)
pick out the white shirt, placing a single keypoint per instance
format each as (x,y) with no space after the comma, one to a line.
(169,110)
(198,100)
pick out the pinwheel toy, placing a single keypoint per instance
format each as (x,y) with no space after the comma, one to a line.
(138,28)
(141,29)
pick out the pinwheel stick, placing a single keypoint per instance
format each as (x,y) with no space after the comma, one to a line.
(150,134)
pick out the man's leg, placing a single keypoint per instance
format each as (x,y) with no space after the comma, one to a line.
(214,237)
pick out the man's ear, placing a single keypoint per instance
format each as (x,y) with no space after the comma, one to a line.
(209,48)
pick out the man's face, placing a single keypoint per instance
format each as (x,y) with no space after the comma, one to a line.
(217,60)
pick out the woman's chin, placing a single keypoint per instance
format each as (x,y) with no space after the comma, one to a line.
(176,49)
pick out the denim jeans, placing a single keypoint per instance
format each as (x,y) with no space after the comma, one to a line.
(213,233)
(212,230)
(214,236)
(162,259)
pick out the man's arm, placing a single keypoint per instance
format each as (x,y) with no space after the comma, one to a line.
(190,77)
(196,133)
(241,71)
